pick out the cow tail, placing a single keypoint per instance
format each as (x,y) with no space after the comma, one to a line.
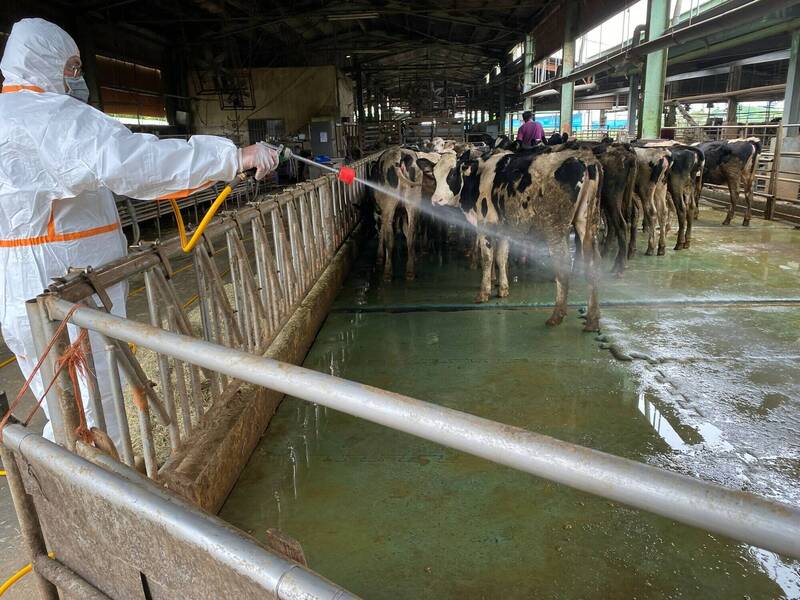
(588,201)
(595,222)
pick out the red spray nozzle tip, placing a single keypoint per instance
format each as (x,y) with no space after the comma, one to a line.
(347,175)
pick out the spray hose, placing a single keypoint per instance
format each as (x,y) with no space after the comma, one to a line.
(345,174)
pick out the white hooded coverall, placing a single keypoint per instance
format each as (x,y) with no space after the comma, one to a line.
(60,161)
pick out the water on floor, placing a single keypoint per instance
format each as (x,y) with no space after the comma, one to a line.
(712,390)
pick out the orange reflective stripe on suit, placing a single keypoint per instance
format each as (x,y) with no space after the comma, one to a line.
(52,236)
(10,89)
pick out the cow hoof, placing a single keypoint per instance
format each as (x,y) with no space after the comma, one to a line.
(686,245)
(502,293)
(678,247)
(746,223)
(592,325)
(661,251)
(387,277)
(481,298)
(649,252)
(554,320)
(410,276)
(726,222)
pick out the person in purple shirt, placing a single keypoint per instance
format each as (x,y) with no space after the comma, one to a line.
(530,132)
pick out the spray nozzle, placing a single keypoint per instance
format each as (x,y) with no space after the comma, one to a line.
(347,175)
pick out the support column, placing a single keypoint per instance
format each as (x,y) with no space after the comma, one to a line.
(568,64)
(791,98)
(655,73)
(734,83)
(530,51)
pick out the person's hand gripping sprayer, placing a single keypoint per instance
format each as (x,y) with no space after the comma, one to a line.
(262,157)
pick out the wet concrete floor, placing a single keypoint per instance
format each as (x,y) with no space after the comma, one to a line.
(388,515)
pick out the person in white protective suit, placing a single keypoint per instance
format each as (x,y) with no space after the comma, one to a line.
(60,161)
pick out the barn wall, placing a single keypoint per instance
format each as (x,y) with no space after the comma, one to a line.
(295,95)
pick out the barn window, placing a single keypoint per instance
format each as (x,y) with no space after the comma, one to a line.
(131,93)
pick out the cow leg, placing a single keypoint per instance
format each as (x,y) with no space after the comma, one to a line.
(590,272)
(501,259)
(487,264)
(650,223)
(617,227)
(559,251)
(633,230)
(663,224)
(387,241)
(679,202)
(689,203)
(748,196)
(410,229)
(733,189)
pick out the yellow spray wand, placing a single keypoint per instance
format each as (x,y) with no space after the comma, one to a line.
(187,245)
(344,174)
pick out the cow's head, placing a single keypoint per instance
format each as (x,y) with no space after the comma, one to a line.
(437,145)
(449,172)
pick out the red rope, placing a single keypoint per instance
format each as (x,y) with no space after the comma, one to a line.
(74,360)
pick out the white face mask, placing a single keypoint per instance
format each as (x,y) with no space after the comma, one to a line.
(77,88)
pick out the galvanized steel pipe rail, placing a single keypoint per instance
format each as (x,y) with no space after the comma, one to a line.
(283,579)
(739,515)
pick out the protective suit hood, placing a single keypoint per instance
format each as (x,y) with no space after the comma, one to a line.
(36,53)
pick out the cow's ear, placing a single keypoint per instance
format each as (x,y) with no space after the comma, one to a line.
(465,156)
(426,165)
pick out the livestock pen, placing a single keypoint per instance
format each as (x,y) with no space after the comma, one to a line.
(668,410)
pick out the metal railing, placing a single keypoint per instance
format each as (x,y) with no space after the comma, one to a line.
(139,540)
(247,277)
(739,515)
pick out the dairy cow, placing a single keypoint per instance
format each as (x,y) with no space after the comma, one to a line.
(396,171)
(512,194)
(732,163)
(616,195)
(684,180)
(653,161)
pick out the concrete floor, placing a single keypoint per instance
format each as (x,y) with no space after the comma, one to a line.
(390,516)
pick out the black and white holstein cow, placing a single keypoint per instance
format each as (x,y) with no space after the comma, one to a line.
(506,194)
(616,194)
(684,181)
(396,171)
(732,163)
(653,161)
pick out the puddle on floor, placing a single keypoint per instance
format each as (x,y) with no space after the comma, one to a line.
(388,515)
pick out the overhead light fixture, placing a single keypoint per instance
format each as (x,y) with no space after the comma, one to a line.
(354,16)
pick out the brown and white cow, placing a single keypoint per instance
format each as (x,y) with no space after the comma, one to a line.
(397,172)
(513,194)
(732,163)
